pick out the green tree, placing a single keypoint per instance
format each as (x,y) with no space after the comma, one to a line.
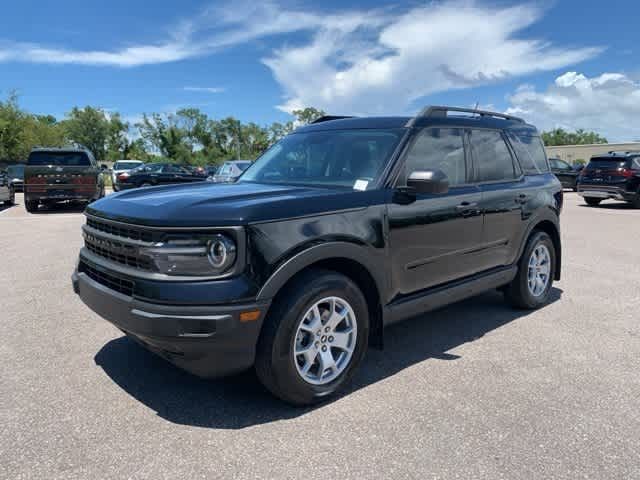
(105,135)
(308,114)
(559,136)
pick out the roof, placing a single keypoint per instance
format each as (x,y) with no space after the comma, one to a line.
(613,154)
(60,149)
(430,116)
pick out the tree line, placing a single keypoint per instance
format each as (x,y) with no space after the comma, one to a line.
(188,136)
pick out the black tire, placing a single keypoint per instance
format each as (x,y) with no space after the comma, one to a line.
(12,197)
(517,292)
(274,363)
(636,201)
(31,206)
(592,201)
(115,188)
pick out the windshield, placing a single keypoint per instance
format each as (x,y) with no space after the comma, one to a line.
(341,158)
(125,165)
(60,159)
(243,165)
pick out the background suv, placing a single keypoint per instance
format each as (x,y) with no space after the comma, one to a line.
(567,174)
(612,176)
(15,176)
(343,227)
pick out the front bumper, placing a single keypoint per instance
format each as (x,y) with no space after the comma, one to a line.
(208,341)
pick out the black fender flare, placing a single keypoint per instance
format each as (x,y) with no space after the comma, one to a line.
(316,253)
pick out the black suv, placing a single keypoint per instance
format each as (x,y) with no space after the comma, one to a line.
(567,174)
(615,175)
(345,226)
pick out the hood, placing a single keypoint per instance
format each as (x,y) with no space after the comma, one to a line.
(219,204)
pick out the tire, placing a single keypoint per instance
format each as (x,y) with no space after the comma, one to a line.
(636,201)
(31,206)
(277,365)
(115,188)
(592,201)
(519,292)
(12,197)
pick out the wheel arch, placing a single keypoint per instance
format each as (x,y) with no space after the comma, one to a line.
(346,258)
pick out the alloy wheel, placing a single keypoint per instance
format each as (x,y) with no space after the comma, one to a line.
(539,270)
(325,340)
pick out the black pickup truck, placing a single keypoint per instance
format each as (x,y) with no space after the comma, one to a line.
(343,227)
(53,175)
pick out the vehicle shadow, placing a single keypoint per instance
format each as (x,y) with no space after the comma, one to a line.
(240,401)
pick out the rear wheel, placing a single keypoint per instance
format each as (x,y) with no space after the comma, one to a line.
(592,201)
(314,337)
(636,200)
(31,206)
(536,270)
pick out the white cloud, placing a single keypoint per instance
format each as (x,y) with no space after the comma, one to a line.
(608,104)
(351,61)
(204,89)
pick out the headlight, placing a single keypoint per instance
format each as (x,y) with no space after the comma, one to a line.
(205,256)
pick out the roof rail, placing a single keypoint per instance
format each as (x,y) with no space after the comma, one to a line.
(327,118)
(441,112)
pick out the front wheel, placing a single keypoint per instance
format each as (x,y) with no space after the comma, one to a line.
(314,337)
(592,201)
(531,288)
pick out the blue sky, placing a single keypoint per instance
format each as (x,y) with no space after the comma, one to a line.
(564,63)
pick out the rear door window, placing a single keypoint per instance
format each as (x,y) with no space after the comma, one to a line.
(492,158)
(60,159)
(530,152)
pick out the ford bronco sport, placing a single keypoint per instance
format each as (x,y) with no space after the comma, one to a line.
(60,174)
(342,228)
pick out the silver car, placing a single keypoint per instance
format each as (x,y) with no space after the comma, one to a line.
(230,171)
(122,166)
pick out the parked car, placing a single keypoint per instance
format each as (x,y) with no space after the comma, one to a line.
(566,173)
(53,175)
(230,171)
(152,174)
(15,174)
(122,166)
(7,193)
(612,176)
(342,228)
(198,170)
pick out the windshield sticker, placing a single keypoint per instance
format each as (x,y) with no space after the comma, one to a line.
(360,185)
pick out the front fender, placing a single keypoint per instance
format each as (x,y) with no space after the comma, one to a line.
(332,250)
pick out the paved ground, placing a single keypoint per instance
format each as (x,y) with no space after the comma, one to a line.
(472,391)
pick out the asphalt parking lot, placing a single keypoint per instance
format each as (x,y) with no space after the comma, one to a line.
(476,390)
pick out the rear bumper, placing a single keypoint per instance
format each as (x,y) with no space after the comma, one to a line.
(208,341)
(605,192)
(40,193)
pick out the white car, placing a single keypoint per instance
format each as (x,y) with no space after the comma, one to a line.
(122,166)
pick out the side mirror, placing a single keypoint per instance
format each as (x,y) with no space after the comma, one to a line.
(428,181)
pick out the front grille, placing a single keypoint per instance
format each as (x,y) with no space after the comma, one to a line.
(115,252)
(121,231)
(120,243)
(118,284)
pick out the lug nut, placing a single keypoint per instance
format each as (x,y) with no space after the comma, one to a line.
(324,348)
(326,329)
(330,339)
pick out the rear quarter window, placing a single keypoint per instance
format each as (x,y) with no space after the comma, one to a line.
(530,152)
